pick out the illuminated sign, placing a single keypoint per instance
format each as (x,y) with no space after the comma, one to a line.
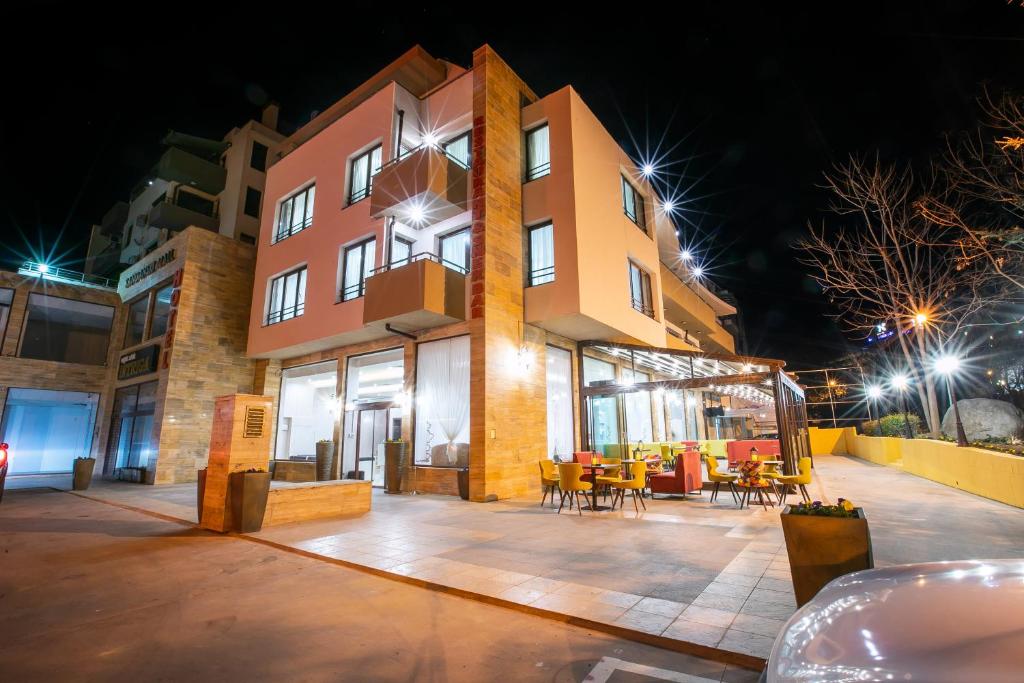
(139,362)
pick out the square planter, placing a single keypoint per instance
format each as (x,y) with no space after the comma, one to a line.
(249,492)
(823,548)
(82,476)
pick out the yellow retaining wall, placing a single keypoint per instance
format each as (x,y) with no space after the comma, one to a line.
(984,473)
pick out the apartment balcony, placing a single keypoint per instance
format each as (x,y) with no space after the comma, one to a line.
(171,216)
(688,312)
(416,294)
(177,165)
(421,188)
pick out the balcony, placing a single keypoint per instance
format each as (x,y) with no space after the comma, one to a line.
(173,216)
(687,311)
(417,294)
(177,165)
(422,188)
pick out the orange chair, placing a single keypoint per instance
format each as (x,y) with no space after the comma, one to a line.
(570,480)
(549,480)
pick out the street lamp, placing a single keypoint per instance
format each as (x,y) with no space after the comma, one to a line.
(874,393)
(947,365)
(900,383)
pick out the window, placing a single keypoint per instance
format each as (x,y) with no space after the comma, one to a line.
(194,202)
(258,157)
(161,309)
(66,330)
(287,296)
(442,403)
(638,408)
(252,202)
(308,402)
(559,390)
(455,250)
(542,254)
(633,204)
(246,238)
(49,428)
(459,148)
(135,330)
(131,439)
(371,380)
(6,297)
(364,167)
(538,154)
(401,250)
(640,290)
(595,370)
(296,213)
(356,266)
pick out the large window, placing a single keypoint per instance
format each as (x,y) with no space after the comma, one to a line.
(459,148)
(640,290)
(308,410)
(559,386)
(258,157)
(48,429)
(357,263)
(364,167)
(401,250)
(442,403)
(136,328)
(66,330)
(295,213)
(131,436)
(455,250)
(633,204)
(161,309)
(638,408)
(538,153)
(595,370)
(252,202)
(147,316)
(287,296)
(542,254)
(6,297)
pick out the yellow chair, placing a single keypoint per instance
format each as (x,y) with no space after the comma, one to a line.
(801,480)
(611,474)
(570,478)
(549,480)
(638,482)
(719,478)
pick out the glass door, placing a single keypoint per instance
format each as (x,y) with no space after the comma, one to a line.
(373,427)
(606,425)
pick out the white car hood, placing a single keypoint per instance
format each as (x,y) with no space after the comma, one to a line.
(939,621)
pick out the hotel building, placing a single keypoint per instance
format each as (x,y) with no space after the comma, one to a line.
(447,258)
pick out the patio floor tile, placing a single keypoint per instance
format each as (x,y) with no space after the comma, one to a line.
(708,615)
(646,622)
(757,625)
(725,588)
(727,603)
(664,608)
(747,643)
(694,632)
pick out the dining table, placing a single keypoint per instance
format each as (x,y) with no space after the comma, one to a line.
(594,468)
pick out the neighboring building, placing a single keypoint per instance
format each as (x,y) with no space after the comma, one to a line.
(126,371)
(448,258)
(211,184)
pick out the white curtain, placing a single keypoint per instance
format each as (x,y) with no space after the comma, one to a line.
(542,255)
(538,156)
(559,388)
(442,397)
(638,409)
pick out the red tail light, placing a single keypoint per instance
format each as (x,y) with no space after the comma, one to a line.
(3,454)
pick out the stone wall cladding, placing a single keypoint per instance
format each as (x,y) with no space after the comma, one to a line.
(208,356)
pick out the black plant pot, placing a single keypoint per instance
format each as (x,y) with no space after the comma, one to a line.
(82,477)
(463,478)
(200,493)
(249,492)
(394,465)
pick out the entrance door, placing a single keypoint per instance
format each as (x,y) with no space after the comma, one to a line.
(131,429)
(606,424)
(373,427)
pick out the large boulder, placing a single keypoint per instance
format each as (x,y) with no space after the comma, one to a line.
(984,418)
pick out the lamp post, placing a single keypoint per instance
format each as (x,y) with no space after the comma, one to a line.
(947,365)
(899,383)
(874,393)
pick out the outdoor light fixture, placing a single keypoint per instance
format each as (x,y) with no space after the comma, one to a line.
(875,392)
(647,170)
(429,139)
(685,254)
(43,268)
(900,383)
(697,271)
(920,318)
(416,213)
(668,206)
(948,364)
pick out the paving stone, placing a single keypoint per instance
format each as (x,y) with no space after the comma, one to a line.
(708,615)
(665,608)
(694,632)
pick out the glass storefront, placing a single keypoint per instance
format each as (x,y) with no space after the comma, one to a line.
(47,430)
(442,403)
(308,409)
(131,442)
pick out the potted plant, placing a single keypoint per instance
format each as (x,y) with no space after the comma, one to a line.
(824,542)
(324,459)
(82,477)
(462,478)
(394,464)
(249,492)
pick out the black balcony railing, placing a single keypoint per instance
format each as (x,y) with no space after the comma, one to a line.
(287,313)
(538,171)
(542,276)
(354,291)
(409,152)
(422,256)
(646,309)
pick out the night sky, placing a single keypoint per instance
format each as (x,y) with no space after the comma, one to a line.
(761,100)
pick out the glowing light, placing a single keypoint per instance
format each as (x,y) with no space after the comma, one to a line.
(920,318)
(668,206)
(880,327)
(947,364)
(697,271)
(416,213)
(43,268)
(686,254)
(899,382)
(429,139)
(874,391)
(647,170)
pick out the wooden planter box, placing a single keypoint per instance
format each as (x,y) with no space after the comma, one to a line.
(249,491)
(823,548)
(82,477)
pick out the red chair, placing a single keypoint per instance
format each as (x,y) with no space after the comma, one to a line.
(739,451)
(685,478)
(583,457)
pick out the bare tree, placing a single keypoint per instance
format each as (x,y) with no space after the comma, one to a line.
(891,264)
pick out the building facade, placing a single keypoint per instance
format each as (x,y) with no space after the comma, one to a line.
(213,184)
(125,371)
(438,252)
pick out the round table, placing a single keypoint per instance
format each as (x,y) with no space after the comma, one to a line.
(593,484)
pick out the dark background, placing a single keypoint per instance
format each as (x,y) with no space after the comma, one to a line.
(761,100)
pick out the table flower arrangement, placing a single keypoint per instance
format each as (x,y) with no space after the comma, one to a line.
(750,473)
